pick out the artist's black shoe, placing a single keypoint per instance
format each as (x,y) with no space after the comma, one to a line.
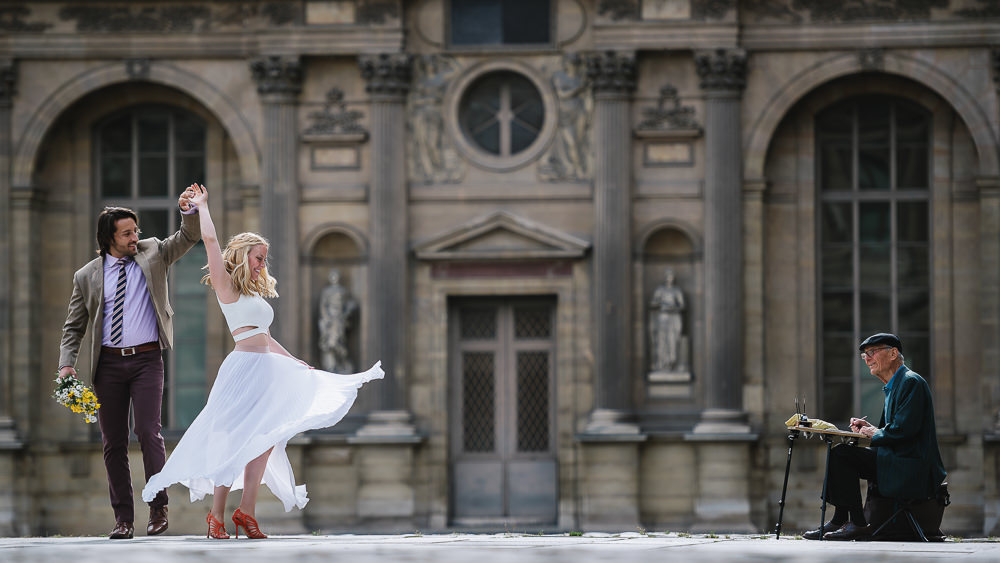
(815,534)
(849,532)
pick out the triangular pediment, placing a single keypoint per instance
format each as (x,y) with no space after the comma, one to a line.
(501,236)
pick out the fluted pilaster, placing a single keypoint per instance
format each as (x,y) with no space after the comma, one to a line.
(612,75)
(388,77)
(279,81)
(723,76)
(8,81)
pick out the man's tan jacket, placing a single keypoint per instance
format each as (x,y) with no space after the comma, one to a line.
(86,306)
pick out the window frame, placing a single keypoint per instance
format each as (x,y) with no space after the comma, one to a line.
(855,197)
(508,47)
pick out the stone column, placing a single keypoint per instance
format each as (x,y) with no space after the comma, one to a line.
(8,78)
(612,75)
(388,77)
(386,498)
(723,76)
(279,81)
(722,438)
(610,441)
(9,442)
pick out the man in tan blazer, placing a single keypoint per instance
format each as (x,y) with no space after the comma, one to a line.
(122,298)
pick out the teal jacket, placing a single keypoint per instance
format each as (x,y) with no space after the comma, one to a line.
(908,461)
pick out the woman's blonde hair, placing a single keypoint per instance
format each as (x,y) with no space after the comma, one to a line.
(235,257)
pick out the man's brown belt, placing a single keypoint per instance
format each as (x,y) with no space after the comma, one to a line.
(131,350)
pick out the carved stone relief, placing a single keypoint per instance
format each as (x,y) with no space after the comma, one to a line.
(871,59)
(12,20)
(619,9)
(137,69)
(985,9)
(339,122)
(376,12)
(817,11)
(570,158)
(668,113)
(711,9)
(432,155)
(177,18)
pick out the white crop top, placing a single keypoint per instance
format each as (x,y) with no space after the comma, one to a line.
(248,311)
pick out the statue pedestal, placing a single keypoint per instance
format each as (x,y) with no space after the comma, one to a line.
(385,445)
(674,376)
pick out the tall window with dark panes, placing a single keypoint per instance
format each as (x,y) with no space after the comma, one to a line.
(500,22)
(873,170)
(145,157)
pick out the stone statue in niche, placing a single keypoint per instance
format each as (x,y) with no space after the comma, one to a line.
(570,156)
(668,344)
(337,309)
(432,156)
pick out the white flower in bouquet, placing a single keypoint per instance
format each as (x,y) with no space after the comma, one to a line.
(75,395)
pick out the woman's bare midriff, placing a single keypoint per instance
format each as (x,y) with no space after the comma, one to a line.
(256,341)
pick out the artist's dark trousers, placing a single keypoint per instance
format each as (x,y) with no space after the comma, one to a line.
(119,382)
(848,465)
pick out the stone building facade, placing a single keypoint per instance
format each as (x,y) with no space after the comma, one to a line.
(501,186)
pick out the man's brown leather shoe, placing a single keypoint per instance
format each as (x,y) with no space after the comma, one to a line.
(157,521)
(122,531)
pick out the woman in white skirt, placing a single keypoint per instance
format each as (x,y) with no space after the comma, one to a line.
(261,398)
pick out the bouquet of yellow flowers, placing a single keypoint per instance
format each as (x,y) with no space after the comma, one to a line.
(71,392)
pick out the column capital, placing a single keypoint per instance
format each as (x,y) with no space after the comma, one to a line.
(722,69)
(611,72)
(8,81)
(277,75)
(387,74)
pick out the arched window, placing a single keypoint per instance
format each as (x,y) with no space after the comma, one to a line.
(873,175)
(145,156)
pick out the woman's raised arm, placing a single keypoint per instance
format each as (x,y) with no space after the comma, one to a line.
(222,282)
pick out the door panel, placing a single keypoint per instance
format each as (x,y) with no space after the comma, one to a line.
(502,390)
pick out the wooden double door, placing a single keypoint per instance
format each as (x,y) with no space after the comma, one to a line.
(502,405)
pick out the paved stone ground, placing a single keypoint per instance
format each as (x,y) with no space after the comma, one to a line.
(485,548)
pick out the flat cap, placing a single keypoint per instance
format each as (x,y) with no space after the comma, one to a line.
(882,338)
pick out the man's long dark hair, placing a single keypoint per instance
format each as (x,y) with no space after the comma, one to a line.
(106,226)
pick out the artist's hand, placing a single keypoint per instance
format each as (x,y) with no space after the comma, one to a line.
(858,423)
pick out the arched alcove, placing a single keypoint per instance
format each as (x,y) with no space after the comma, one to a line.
(341,249)
(672,248)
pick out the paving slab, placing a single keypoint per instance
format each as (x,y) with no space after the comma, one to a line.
(486,548)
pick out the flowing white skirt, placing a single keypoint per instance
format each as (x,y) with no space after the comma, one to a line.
(259,400)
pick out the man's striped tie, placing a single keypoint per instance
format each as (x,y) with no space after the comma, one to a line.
(118,313)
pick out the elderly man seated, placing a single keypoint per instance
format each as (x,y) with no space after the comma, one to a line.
(903,458)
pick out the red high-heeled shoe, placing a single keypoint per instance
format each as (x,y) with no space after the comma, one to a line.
(249,525)
(216,529)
